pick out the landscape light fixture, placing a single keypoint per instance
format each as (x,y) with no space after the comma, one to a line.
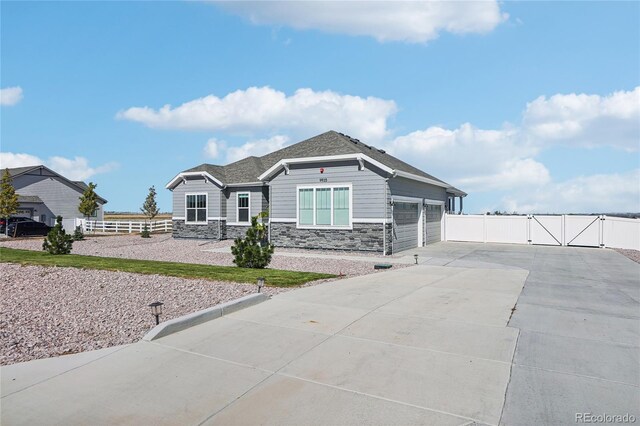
(156,310)
(260,283)
(415,256)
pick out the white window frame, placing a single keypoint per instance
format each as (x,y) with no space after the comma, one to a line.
(331,186)
(186,221)
(238,208)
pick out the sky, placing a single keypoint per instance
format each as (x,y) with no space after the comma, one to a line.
(529,107)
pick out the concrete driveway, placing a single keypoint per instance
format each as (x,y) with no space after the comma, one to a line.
(431,344)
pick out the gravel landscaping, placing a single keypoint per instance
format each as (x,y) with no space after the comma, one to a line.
(52,311)
(631,254)
(49,311)
(164,247)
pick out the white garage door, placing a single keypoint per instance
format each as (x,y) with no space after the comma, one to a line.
(405,226)
(434,216)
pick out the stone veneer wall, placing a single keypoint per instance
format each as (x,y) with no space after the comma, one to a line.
(208,231)
(363,237)
(234,231)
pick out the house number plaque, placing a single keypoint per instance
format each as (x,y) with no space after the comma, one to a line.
(323,179)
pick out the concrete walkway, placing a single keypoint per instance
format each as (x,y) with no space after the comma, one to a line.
(428,344)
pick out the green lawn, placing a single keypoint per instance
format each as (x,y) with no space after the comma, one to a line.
(273,277)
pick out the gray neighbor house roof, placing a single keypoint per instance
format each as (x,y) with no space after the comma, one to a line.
(18,171)
(248,169)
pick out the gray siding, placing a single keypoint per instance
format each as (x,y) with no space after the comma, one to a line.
(368,188)
(411,188)
(257,201)
(60,198)
(196,185)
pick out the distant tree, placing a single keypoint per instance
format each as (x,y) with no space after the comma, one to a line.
(8,199)
(57,240)
(89,201)
(150,210)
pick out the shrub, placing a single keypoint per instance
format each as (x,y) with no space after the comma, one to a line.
(57,241)
(253,251)
(145,232)
(78,235)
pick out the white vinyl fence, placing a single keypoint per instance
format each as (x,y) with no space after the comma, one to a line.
(561,230)
(123,226)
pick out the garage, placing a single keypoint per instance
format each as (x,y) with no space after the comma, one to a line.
(433,214)
(405,226)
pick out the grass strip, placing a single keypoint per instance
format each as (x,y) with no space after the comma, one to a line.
(273,277)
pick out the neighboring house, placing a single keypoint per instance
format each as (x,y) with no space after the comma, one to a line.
(44,194)
(327,192)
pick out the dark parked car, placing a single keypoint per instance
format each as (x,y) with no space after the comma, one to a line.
(26,228)
(3,222)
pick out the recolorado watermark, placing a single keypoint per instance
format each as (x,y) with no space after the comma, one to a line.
(605,418)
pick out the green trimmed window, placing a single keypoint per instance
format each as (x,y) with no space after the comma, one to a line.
(324,206)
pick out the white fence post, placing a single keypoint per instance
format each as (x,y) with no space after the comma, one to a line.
(484,228)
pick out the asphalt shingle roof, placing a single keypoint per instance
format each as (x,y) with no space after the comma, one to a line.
(328,143)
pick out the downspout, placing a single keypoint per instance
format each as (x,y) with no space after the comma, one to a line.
(384,223)
(269,210)
(391,226)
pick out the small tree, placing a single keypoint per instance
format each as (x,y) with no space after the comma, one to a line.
(253,251)
(89,201)
(8,199)
(57,240)
(78,235)
(149,209)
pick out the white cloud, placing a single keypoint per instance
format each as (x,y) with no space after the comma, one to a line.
(409,21)
(602,193)
(213,147)
(586,120)
(517,173)
(504,160)
(74,169)
(475,159)
(10,96)
(263,109)
(256,147)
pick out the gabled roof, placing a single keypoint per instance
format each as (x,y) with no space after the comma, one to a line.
(331,143)
(335,143)
(19,171)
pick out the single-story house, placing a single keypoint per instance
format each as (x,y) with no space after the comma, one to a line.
(328,192)
(44,194)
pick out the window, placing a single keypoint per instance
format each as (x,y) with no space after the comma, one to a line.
(305,206)
(243,207)
(324,206)
(196,208)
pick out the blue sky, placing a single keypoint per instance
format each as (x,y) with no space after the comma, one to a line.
(527,106)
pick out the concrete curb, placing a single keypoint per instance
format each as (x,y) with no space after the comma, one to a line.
(190,320)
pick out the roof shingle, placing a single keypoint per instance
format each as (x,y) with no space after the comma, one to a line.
(328,143)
